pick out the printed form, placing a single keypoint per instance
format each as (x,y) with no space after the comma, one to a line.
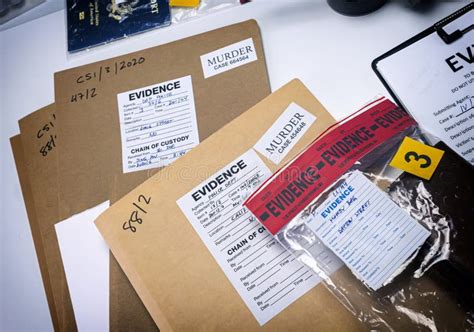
(267,277)
(157,124)
(438,90)
(367,230)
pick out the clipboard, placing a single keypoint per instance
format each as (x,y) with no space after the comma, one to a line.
(437,28)
(422,67)
(460,272)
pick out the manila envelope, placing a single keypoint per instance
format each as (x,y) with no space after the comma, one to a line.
(35,156)
(176,276)
(60,318)
(124,302)
(38,180)
(87,96)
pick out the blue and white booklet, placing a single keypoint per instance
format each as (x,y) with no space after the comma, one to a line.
(95,22)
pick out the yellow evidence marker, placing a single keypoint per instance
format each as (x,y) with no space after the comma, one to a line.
(417,158)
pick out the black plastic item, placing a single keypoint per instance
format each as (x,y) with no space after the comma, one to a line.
(451,188)
(355,7)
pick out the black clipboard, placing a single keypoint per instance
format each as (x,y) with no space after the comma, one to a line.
(436,28)
(446,273)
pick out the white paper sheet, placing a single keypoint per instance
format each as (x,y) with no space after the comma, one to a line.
(85,258)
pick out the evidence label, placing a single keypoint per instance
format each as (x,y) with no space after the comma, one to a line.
(157,124)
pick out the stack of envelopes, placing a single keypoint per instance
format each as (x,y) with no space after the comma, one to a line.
(116,123)
(176,137)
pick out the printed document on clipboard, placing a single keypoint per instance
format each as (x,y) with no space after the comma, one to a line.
(432,77)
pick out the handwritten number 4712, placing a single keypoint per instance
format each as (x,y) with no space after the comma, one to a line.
(135,216)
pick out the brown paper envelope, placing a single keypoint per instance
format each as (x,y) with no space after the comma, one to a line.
(22,171)
(121,290)
(123,300)
(172,270)
(87,98)
(88,190)
(127,312)
(38,175)
(38,179)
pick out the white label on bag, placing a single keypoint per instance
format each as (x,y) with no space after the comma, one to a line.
(266,276)
(367,230)
(287,130)
(228,58)
(157,124)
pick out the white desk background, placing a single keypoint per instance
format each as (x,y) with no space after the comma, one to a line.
(329,52)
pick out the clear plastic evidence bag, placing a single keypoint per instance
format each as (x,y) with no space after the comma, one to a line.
(394,248)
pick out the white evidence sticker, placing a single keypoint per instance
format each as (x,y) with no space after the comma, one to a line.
(157,124)
(266,276)
(285,132)
(371,234)
(229,57)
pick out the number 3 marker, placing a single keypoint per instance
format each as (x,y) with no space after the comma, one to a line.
(417,158)
(412,155)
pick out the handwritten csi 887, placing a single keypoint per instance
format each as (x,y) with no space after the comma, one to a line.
(47,131)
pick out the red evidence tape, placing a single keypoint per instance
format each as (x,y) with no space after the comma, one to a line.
(292,188)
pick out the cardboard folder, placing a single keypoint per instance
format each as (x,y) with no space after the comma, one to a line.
(36,163)
(89,110)
(170,267)
(75,157)
(38,179)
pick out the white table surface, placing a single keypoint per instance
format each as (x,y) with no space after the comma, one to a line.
(303,39)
